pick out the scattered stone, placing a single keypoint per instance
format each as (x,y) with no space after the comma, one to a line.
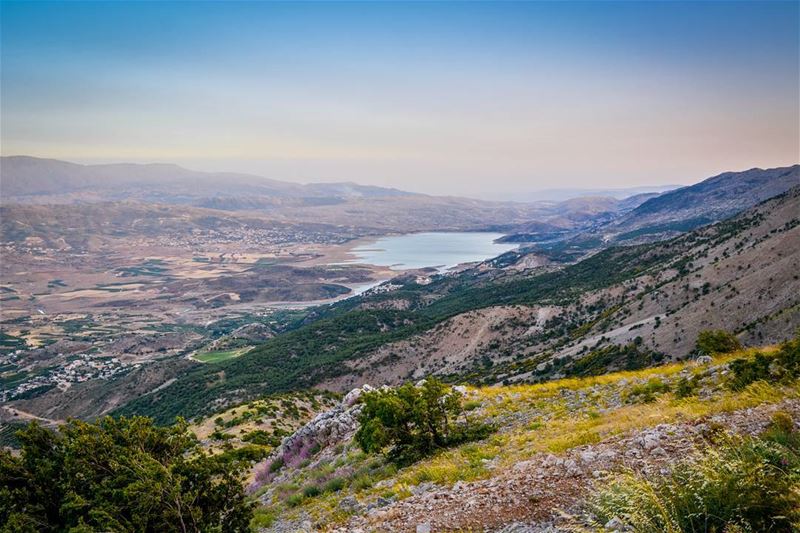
(659,452)
(616,524)
(349,504)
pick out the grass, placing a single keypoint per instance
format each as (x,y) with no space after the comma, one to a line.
(217,357)
(739,484)
(551,417)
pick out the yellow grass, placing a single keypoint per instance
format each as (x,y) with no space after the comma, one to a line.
(547,423)
(566,429)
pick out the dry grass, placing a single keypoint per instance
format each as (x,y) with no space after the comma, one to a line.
(545,418)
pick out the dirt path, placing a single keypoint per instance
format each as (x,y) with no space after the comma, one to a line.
(11,413)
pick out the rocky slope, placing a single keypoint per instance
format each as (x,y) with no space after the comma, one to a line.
(554,444)
(740,275)
(624,307)
(713,199)
(527,497)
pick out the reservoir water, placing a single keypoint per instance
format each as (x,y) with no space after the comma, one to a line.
(433,249)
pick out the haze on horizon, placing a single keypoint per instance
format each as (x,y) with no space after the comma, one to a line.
(483,99)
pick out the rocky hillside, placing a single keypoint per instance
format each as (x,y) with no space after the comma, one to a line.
(739,275)
(259,426)
(713,199)
(555,446)
(625,307)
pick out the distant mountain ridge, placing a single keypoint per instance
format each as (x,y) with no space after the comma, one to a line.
(560,195)
(24,178)
(710,200)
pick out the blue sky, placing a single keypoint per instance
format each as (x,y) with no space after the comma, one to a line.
(486,99)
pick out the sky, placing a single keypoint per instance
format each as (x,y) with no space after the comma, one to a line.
(491,100)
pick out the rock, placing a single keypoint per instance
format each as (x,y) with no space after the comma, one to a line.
(383,502)
(461,389)
(658,452)
(616,524)
(649,441)
(518,527)
(588,456)
(349,503)
(550,460)
(608,455)
(704,360)
(422,488)
(352,397)
(424,527)
(572,467)
(329,427)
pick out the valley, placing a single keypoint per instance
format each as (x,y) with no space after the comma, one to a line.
(256,325)
(399,267)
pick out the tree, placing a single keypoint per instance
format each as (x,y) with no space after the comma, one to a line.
(713,341)
(412,421)
(120,474)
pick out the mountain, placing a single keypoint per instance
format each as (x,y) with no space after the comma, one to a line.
(560,195)
(34,180)
(625,305)
(110,192)
(712,199)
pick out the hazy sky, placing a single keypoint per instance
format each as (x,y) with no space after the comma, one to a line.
(487,99)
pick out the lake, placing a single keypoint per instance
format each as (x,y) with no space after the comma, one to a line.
(432,249)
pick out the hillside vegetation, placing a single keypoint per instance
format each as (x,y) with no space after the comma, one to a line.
(576,452)
(622,307)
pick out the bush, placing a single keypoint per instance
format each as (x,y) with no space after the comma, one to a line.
(294,500)
(276,465)
(413,421)
(782,365)
(311,491)
(646,393)
(745,485)
(714,341)
(782,431)
(120,474)
(262,438)
(686,387)
(334,485)
(263,518)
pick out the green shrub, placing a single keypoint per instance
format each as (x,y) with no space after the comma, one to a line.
(294,500)
(120,474)
(471,405)
(362,482)
(263,518)
(713,341)
(276,465)
(782,365)
(782,431)
(646,392)
(686,387)
(413,421)
(749,484)
(262,438)
(334,485)
(311,491)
